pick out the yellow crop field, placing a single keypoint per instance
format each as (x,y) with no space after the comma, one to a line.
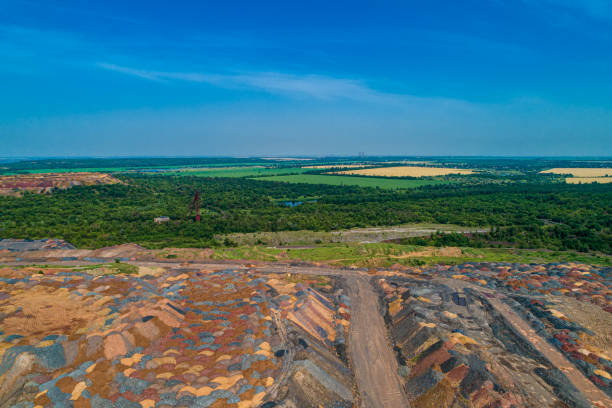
(412,162)
(407,171)
(582,171)
(338,166)
(586,180)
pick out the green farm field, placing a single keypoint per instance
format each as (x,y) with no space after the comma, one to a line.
(238,171)
(353,181)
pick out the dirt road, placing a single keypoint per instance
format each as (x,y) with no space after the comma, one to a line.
(371,354)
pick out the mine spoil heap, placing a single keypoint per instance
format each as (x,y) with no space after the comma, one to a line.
(87,338)
(539,293)
(461,334)
(46,182)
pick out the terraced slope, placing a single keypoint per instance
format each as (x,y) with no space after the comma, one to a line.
(456,350)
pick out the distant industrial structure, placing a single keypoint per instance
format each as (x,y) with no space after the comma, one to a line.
(161,220)
(194,207)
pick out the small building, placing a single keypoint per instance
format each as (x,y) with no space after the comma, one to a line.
(162,219)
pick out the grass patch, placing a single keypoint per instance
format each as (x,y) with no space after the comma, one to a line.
(353,181)
(248,252)
(95,269)
(384,255)
(121,268)
(378,255)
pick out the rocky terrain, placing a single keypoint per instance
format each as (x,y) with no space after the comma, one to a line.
(586,283)
(568,304)
(152,333)
(82,337)
(492,335)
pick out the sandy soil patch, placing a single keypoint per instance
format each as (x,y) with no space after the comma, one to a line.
(44,310)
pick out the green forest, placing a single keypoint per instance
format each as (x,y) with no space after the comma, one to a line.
(552,216)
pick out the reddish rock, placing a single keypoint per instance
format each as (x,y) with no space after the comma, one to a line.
(436,357)
(457,374)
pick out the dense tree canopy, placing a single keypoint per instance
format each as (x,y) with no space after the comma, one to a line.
(555,216)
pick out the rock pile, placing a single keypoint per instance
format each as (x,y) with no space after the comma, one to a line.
(70,338)
(455,351)
(530,285)
(569,337)
(586,283)
(317,326)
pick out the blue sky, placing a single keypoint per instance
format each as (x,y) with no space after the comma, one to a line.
(487,77)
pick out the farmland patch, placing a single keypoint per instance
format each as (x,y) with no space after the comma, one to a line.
(588,180)
(254,171)
(338,180)
(581,171)
(407,171)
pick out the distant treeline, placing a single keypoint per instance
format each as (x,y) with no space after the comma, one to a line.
(553,216)
(494,163)
(93,163)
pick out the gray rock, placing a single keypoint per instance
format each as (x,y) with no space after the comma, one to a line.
(420,384)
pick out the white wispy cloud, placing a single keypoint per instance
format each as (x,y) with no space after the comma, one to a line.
(19,43)
(315,86)
(318,87)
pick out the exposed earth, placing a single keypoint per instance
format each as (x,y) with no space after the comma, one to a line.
(362,235)
(180,337)
(47,182)
(87,331)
